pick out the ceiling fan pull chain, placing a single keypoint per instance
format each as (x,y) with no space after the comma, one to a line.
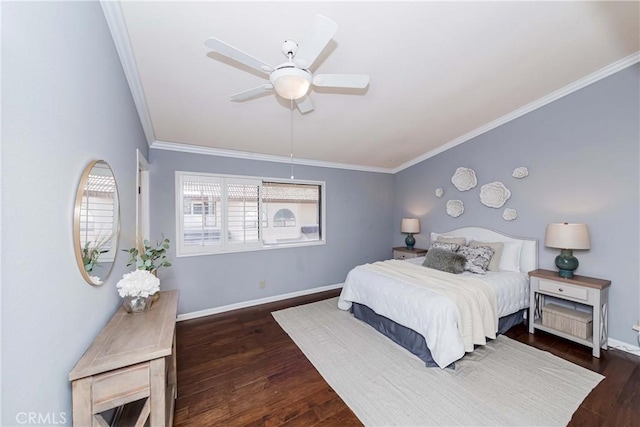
(291,152)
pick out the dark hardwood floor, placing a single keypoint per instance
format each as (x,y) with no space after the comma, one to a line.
(241,369)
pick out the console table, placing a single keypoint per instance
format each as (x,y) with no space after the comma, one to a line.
(133,358)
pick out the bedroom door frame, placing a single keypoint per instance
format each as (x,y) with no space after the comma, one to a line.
(142,198)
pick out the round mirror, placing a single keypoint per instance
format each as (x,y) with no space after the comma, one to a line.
(96,222)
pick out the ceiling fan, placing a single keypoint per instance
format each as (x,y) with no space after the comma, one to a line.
(292,79)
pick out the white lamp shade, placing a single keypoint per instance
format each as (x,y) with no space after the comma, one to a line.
(567,236)
(410,225)
(290,83)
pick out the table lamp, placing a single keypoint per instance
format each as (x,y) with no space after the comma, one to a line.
(567,237)
(410,226)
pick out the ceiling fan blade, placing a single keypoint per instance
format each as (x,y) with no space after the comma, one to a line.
(355,81)
(237,55)
(321,31)
(252,93)
(304,104)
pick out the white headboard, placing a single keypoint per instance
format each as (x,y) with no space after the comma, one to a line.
(528,254)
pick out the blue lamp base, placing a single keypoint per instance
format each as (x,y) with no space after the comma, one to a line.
(566,263)
(410,241)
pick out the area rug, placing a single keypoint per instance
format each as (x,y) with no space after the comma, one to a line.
(505,383)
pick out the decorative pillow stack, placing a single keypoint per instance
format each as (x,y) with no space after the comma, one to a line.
(478,257)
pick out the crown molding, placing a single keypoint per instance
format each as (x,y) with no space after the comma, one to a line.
(553,96)
(117,26)
(209,151)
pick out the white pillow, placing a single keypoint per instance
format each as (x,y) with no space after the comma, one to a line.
(510,260)
(434,237)
(460,241)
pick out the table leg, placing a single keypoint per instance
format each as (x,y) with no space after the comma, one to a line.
(604,341)
(157,400)
(81,400)
(172,376)
(597,327)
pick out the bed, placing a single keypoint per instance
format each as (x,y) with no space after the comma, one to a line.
(441,316)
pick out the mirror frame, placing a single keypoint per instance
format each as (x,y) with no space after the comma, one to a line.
(80,194)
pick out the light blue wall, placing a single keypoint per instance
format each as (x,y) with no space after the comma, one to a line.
(65,102)
(359,208)
(582,154)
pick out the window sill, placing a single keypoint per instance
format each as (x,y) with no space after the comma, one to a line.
(231,250)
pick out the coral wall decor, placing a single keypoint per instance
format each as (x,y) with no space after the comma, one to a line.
(464,179)
(520,172)
(439,192)
(494,194)
(509,214)
(455,208)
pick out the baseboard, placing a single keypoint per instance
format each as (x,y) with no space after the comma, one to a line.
(620,345)
(251,303)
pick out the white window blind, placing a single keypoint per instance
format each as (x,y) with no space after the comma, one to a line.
(243,199)
(201,199)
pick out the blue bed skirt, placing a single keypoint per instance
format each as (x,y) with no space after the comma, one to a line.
(413,341)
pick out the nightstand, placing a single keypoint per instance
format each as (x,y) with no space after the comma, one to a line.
(403,253)
(586,292)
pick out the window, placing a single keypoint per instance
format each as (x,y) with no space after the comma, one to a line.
(231,213)
(284,218)
(202,208)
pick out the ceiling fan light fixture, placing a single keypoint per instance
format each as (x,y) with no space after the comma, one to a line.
(290,82)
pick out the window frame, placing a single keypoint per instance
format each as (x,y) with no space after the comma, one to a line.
(224,246)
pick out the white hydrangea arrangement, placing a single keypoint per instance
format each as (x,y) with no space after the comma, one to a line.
(138,283)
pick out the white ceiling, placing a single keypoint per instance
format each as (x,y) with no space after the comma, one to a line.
(441,72)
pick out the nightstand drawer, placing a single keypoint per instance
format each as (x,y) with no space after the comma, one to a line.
(403,255)
(562,289)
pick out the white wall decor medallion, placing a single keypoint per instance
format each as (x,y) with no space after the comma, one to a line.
(520,172)
(464,179)
(509,214)
(439,192)
(494,194)
(455,208)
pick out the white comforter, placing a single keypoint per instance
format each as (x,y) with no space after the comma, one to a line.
(451,321)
